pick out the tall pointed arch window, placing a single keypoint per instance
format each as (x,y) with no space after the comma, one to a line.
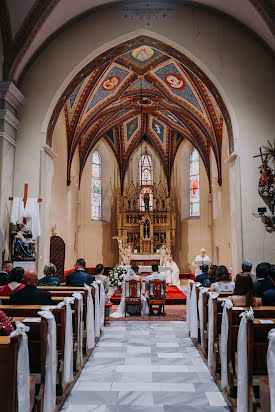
(194,183)
(146,182)
(96,187)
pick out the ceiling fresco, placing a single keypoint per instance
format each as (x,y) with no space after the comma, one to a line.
(142,89)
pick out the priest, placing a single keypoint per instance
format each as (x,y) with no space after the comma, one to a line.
(201,259)
(172,276)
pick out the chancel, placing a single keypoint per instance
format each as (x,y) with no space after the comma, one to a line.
(137,205)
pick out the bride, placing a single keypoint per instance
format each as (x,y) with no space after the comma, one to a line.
(120,312)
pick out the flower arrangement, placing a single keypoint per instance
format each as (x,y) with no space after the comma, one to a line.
(117,276)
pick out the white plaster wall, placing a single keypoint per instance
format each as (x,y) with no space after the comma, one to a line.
(240,66)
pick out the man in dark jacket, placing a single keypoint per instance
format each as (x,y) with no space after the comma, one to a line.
(30,295)
(79,277)
(269,295)
(7,267)
(203,278)
(263,282)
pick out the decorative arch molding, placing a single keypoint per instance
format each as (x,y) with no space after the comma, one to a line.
(199,120)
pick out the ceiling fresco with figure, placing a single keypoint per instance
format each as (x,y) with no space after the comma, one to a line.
(142,89)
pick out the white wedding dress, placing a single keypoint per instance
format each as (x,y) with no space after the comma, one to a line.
(120,312)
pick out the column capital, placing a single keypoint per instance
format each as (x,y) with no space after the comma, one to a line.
(11,94)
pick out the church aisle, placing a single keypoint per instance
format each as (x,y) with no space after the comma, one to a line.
(145,366)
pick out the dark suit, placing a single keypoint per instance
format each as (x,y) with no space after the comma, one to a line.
(79,278)
(4,278)
(269,297)
(262,286)
(30,295)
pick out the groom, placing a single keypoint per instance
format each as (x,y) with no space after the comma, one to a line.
(153,276)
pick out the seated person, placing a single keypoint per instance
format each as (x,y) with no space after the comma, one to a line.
(15,282)
(155,275)
(269,295)
(30,295)
(133,310)
(7,267)
(5,325)
(246,268)
(203,278)
(223,282)
(212,274)
(49,279)
(79,277)
(244,292)
(99,275)
(263,281)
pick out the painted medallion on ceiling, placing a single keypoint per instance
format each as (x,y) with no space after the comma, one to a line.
(143,53)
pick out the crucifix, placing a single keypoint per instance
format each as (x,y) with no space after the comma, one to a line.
(25,198)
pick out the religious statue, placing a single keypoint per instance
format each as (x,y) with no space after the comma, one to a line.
(165,253)
(146,199)
(124,253)
(23,243)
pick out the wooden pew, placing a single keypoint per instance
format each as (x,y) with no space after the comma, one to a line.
(260,312)
(257,338)
(8,366)
(37,343)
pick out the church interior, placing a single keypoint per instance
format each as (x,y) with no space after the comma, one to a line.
(137,155)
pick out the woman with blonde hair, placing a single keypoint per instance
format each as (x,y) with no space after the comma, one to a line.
(49,279)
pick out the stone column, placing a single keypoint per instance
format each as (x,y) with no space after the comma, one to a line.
(11,99)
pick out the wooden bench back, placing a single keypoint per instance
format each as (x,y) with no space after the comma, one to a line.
(157,287)
(8,367)
(133,289)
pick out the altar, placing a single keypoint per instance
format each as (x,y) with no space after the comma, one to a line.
(145,260)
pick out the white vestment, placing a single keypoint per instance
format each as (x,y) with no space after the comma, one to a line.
(172,276)
(199,261)
(120,312)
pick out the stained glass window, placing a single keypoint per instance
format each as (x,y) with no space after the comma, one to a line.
(145,170)
(96,187)
(194,183)
(144,192)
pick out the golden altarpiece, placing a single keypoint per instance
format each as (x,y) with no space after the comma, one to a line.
(146,218)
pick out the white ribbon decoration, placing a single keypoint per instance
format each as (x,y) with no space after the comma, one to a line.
(97,310)
(68,350)
(242,392)
(227,304)
(51,366)
(188,298)
(79,354)
(23,368)
(101,303)
(90,319)
(202,291)
(194,313)
(270,360)
(212,296)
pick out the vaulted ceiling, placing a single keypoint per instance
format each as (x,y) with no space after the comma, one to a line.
(27,25)
(142,88)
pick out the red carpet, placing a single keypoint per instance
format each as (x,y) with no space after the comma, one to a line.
(174,296)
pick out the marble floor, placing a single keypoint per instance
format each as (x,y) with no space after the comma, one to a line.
(145,366)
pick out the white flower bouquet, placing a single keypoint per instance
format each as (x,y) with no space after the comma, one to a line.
(117,275)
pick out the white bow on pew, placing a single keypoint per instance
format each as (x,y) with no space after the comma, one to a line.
(212,296)
(23,368)
(242,393)
(79,354)
(51,365)
(90,319)
(101,304)
(270,360)
(188,298)
(194,312)
(202,291)
(227,304)
(97,310)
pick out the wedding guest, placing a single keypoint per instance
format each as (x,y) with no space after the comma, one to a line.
(7,267)
(79,277)
(244,292)
(269,295)
(49,279)
(30,295)
(203,278)
(263,281)
(223,282)
(213,273)
(247,267)
(15,282)
(104,279)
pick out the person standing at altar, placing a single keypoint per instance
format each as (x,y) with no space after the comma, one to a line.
(201,259)
(172,275)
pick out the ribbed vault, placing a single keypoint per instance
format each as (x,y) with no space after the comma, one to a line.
(142,88)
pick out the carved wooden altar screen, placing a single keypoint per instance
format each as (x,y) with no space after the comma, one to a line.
(57,255)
